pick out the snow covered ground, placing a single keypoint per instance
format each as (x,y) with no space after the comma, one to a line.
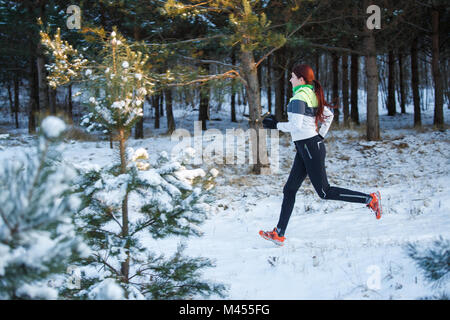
(334,250)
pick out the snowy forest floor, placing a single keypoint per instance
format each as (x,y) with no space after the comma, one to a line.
(334,250)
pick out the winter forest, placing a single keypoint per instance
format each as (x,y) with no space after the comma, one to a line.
(136,161)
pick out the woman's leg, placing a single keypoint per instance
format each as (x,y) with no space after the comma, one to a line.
(296,177)
(313,151)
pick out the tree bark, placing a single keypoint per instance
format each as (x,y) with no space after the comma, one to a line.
(52,100)
(125,265)
(161,105)
(415,84)
(354,83)
(345,105)
(335,98)
(259,74)
(279,85)
(269,85)
(325,74)
(317,65)
(70,104)
(244,97)
(257,135)
(10,98)
(155,104)
(204,105)
(139,129)
(16,99)
(169,112)
(401,83)
(34,96)
(203,111)
(233,104)
(44,94)
(373,125)
(438,96)
(233,91)
(391,84)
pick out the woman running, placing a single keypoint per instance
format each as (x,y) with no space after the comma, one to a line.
(305,110)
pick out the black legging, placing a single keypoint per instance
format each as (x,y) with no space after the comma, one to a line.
(310,159)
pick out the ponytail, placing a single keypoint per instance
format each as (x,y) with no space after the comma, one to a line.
(321,100)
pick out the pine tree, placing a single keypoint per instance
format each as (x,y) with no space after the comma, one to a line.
(247,26)
(119,74)
(165,199)
(108,218)
(37,233)
(434,261)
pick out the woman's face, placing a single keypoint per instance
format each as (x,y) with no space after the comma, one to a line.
(296,81)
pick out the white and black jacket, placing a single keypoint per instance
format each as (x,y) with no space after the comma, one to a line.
(302,110)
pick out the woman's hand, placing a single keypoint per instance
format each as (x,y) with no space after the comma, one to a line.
(270,122)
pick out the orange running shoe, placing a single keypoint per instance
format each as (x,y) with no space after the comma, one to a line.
(272,236)
(375,204)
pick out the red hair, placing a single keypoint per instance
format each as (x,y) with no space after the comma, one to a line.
(306,72)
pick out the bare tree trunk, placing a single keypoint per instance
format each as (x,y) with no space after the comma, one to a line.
(34,96)
(289,65)
(317,65)
(259,74)
(354,83)
(391,106)
(325,83)
(204,105)
(44,96)
(161,105)
(345,90)
(446,84)
(269,84)
(203,111)
(52,100)
(279,85)
(155,102)
(244,97)
(438,96)
(232,88)
(69,104)
(415,84)
(10,98)
(125,265)
(402,83)
(373,125)
(155,105)
(335,98)
(169,112)
(233,104)
(257,136)
(44,99)
(139,129)
(16,100)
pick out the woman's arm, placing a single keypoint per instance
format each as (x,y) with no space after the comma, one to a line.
(296,111)
(295,122)
(329,115)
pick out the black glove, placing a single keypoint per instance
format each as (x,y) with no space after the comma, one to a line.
(270,122)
